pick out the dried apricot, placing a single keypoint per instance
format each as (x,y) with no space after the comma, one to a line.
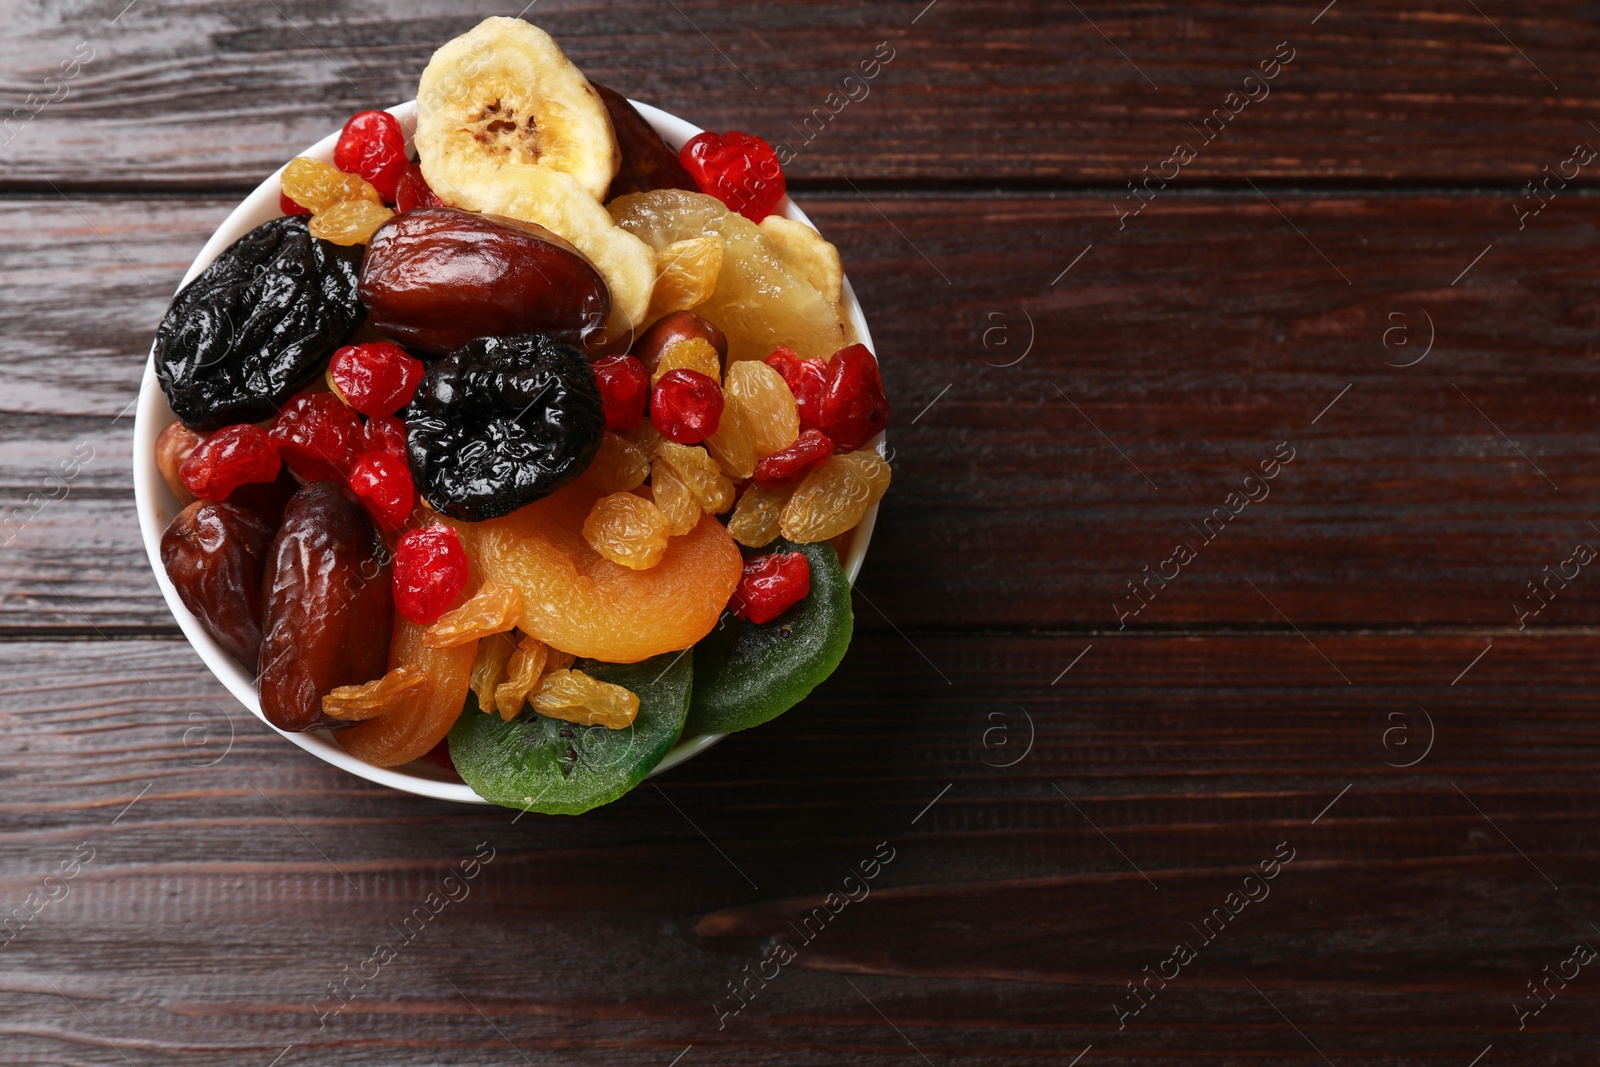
(576,697)
(628,530)
(410,731)
(357,703)
(493,609)
(711,488)
(578,601)
(834,496)
(766,404)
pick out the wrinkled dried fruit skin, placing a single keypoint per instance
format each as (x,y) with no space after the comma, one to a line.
(501,423)
(834,497)
(711,488)
(647,162)
(350,223)
(628,530)
(436,278)
(489,669)
(620,465)
(754,522)
(768,407)
(256,325)
(493,609)
(669,330)
(328,606)
(410,731)
(358,703)
(523,670)
(574,696)
(214,553)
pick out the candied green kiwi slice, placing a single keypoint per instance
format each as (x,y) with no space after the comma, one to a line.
(748,673)
(560,768)
(257,325)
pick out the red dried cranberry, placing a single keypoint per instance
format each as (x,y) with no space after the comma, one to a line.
(771,585)
(686,406)
(780,468)
(372,146)
(384,433)
(430,570)
(737,168)
(229,458)
(382,482)
(289,207)
(807,380)
(854,407)
(375,379)
(318,436)
(624,390)
(413,191)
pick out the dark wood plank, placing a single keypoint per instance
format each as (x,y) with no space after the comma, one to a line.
(1182,351)
(193,95)
(1002,931)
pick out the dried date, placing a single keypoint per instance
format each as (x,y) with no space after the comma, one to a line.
(329,607)
(214,553)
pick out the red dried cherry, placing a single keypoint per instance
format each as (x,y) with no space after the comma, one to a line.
(318,437)
(686,406)
(430,570)
(289,207)
(771,585)
(807,379)
(384,433)
(624,390)
(413,191)
(382,482)
(372,146)
(854,406)
(231,457)
(375,379)
(781,468)
(737,168)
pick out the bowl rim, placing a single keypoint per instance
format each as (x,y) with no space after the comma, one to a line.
(156,505)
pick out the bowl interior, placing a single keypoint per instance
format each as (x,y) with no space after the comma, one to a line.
(157,506)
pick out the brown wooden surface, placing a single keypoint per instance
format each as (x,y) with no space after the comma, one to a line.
(1341,669)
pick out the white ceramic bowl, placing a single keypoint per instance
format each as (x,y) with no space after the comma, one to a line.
(157,506)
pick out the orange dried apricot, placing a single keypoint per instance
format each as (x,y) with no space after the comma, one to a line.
(409,731)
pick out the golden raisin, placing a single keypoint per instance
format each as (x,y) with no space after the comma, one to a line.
(576,697)
(833,498)
(489,669)
(618,466)
(494,608)
(628,530)
(686,275)
(690,353)
(646,438)
(318,186)
(357,703)
(754,523)
(711,488)
(672,495)
(765,402)
(733,446)
(558,661)
(350,223)
(522,674)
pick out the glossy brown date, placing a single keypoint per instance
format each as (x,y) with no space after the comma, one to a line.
(647,161)
(437,278)
(215,553)
(329,608)
(670,329)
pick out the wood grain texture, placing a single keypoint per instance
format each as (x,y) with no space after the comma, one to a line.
(1169,363)
(193,95)
(1013,911)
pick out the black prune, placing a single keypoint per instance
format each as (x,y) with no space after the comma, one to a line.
(256,325)
(501,422)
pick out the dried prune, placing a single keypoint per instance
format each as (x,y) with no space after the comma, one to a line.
(214,553)
(647,161)
(256,325)
(502,422)
(436,278)
(329,611)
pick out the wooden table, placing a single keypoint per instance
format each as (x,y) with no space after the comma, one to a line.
(1343,680)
